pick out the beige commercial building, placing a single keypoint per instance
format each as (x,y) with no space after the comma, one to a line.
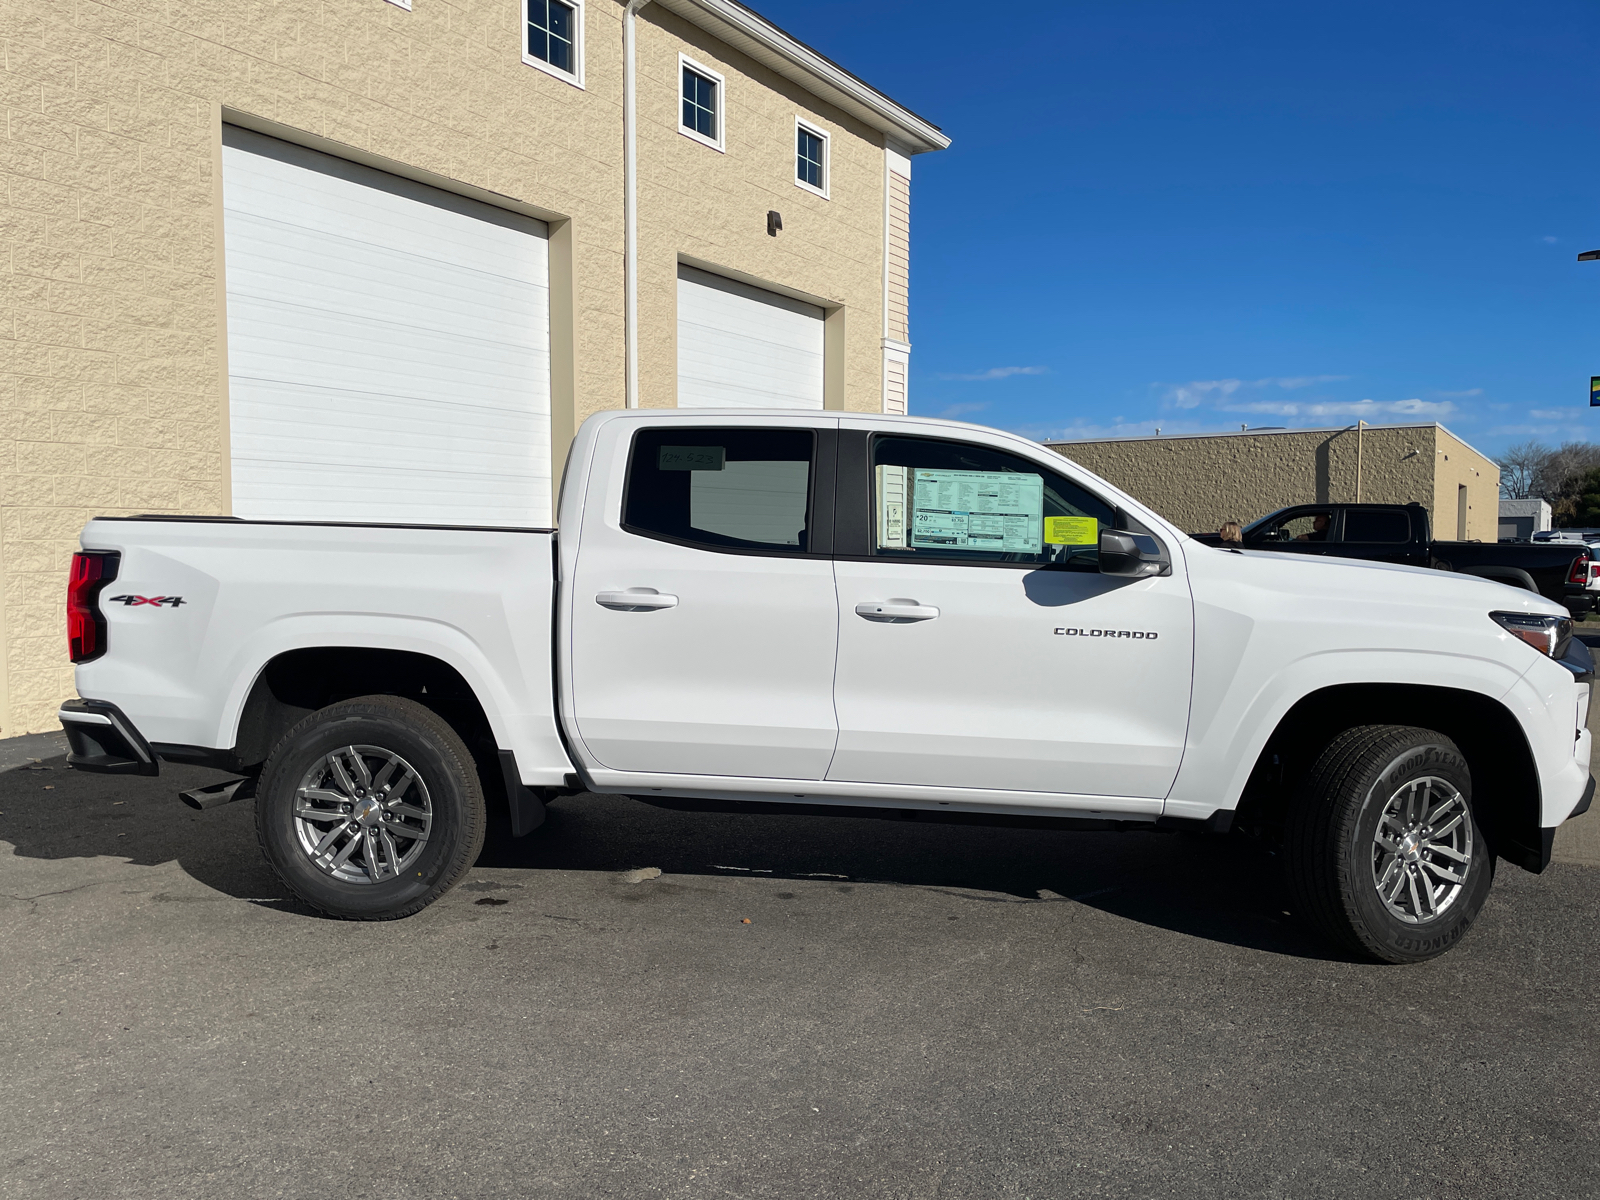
(1199,481)
(377,259)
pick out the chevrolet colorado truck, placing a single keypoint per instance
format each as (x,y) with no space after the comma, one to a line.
(809,609)
(1400,533)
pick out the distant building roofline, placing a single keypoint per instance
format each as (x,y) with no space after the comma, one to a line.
(1269,432)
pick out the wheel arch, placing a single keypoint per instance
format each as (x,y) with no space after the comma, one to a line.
(1505,779)
(295,683)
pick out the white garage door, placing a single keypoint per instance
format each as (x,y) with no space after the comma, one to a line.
(743,347)
(388,345)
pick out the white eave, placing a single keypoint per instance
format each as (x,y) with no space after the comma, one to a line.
(763,41)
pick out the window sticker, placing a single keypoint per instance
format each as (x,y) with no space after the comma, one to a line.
(1071,531)
(892,488)
(976,510)
(692,458)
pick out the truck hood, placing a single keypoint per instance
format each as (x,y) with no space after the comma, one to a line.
(1345,575)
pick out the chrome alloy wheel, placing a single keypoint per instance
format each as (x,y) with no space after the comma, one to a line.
(363,814)
(1422,849)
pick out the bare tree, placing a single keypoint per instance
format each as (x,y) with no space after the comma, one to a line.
(1520,469)
(1560,478)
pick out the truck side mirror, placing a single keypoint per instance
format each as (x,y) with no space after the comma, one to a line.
(1132,555)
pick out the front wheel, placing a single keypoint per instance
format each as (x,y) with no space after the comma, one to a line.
(370,809)
(1384,853)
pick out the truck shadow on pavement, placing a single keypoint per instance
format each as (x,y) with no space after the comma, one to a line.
(1223,889)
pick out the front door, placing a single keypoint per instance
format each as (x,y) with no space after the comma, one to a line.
(704,619)
(980,647)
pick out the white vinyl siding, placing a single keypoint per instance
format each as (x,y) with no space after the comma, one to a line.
(743,347)
(388,346)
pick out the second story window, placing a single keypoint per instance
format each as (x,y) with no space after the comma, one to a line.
(702,103)
(554,40)
(811,159)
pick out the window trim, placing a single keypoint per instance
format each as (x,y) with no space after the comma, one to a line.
(819,495)
(574,77)
(719,144)
(827,157)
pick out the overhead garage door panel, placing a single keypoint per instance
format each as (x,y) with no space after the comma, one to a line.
(388,345)
(743,347)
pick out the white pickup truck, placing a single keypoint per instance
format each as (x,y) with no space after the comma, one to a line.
(815,608)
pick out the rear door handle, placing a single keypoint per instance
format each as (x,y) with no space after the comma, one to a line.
(895,611)
(636,600)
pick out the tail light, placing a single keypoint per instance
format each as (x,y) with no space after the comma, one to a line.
(86,625)
(1580,569)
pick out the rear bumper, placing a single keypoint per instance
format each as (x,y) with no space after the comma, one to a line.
(103,740)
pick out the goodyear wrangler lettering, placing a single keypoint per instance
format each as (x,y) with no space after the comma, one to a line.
(1142,635)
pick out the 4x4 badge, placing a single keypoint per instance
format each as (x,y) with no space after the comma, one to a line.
(135,601)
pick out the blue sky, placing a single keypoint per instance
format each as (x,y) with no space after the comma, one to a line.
(1192,216)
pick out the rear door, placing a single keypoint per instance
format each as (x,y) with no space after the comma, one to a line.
(1381,535)
(704,622)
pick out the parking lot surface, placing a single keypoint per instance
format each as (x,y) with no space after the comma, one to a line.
(913,1010)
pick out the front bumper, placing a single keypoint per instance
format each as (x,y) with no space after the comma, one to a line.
(103,740)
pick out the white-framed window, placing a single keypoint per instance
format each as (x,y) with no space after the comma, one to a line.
(811,166)
(702,99)
(552,38)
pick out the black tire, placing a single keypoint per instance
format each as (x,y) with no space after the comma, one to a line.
(1339,874)
(391,875)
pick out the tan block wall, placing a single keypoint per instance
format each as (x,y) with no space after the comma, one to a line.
(1459,465)
(111,329)
(712,206)
(1198,483)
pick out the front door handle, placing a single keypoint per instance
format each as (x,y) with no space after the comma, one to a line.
(896,611)
(636,600)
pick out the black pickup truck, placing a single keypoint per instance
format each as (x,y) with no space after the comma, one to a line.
(1399,533)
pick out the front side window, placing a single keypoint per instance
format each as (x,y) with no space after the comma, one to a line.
(702,104)
(811,159)
(722,489)
(1303,526)
(956,502)
(552,35)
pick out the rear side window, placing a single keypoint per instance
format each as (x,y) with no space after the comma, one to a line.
(721,488)
(1392,525)
(956,502)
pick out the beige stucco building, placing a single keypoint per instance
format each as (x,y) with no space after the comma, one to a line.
(1200,481)
(253,249)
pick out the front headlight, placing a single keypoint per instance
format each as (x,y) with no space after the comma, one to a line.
(1550,636)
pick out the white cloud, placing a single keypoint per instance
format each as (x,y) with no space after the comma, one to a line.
(1197,391)
(1458,395)
(1549,241)
(1352,410)
(998,373)
(1557,414)
(1299,381)
(956,411)
(1190,395)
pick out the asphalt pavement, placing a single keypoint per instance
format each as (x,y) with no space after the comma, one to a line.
(913,1010)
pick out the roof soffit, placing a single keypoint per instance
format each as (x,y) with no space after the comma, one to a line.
(755,36)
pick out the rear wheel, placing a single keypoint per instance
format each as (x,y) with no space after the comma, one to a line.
(370,809)
(1384,853)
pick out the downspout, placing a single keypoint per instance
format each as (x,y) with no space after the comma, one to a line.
(1360,428)
(630,213)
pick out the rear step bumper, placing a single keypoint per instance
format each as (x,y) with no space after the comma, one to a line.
(103,740)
